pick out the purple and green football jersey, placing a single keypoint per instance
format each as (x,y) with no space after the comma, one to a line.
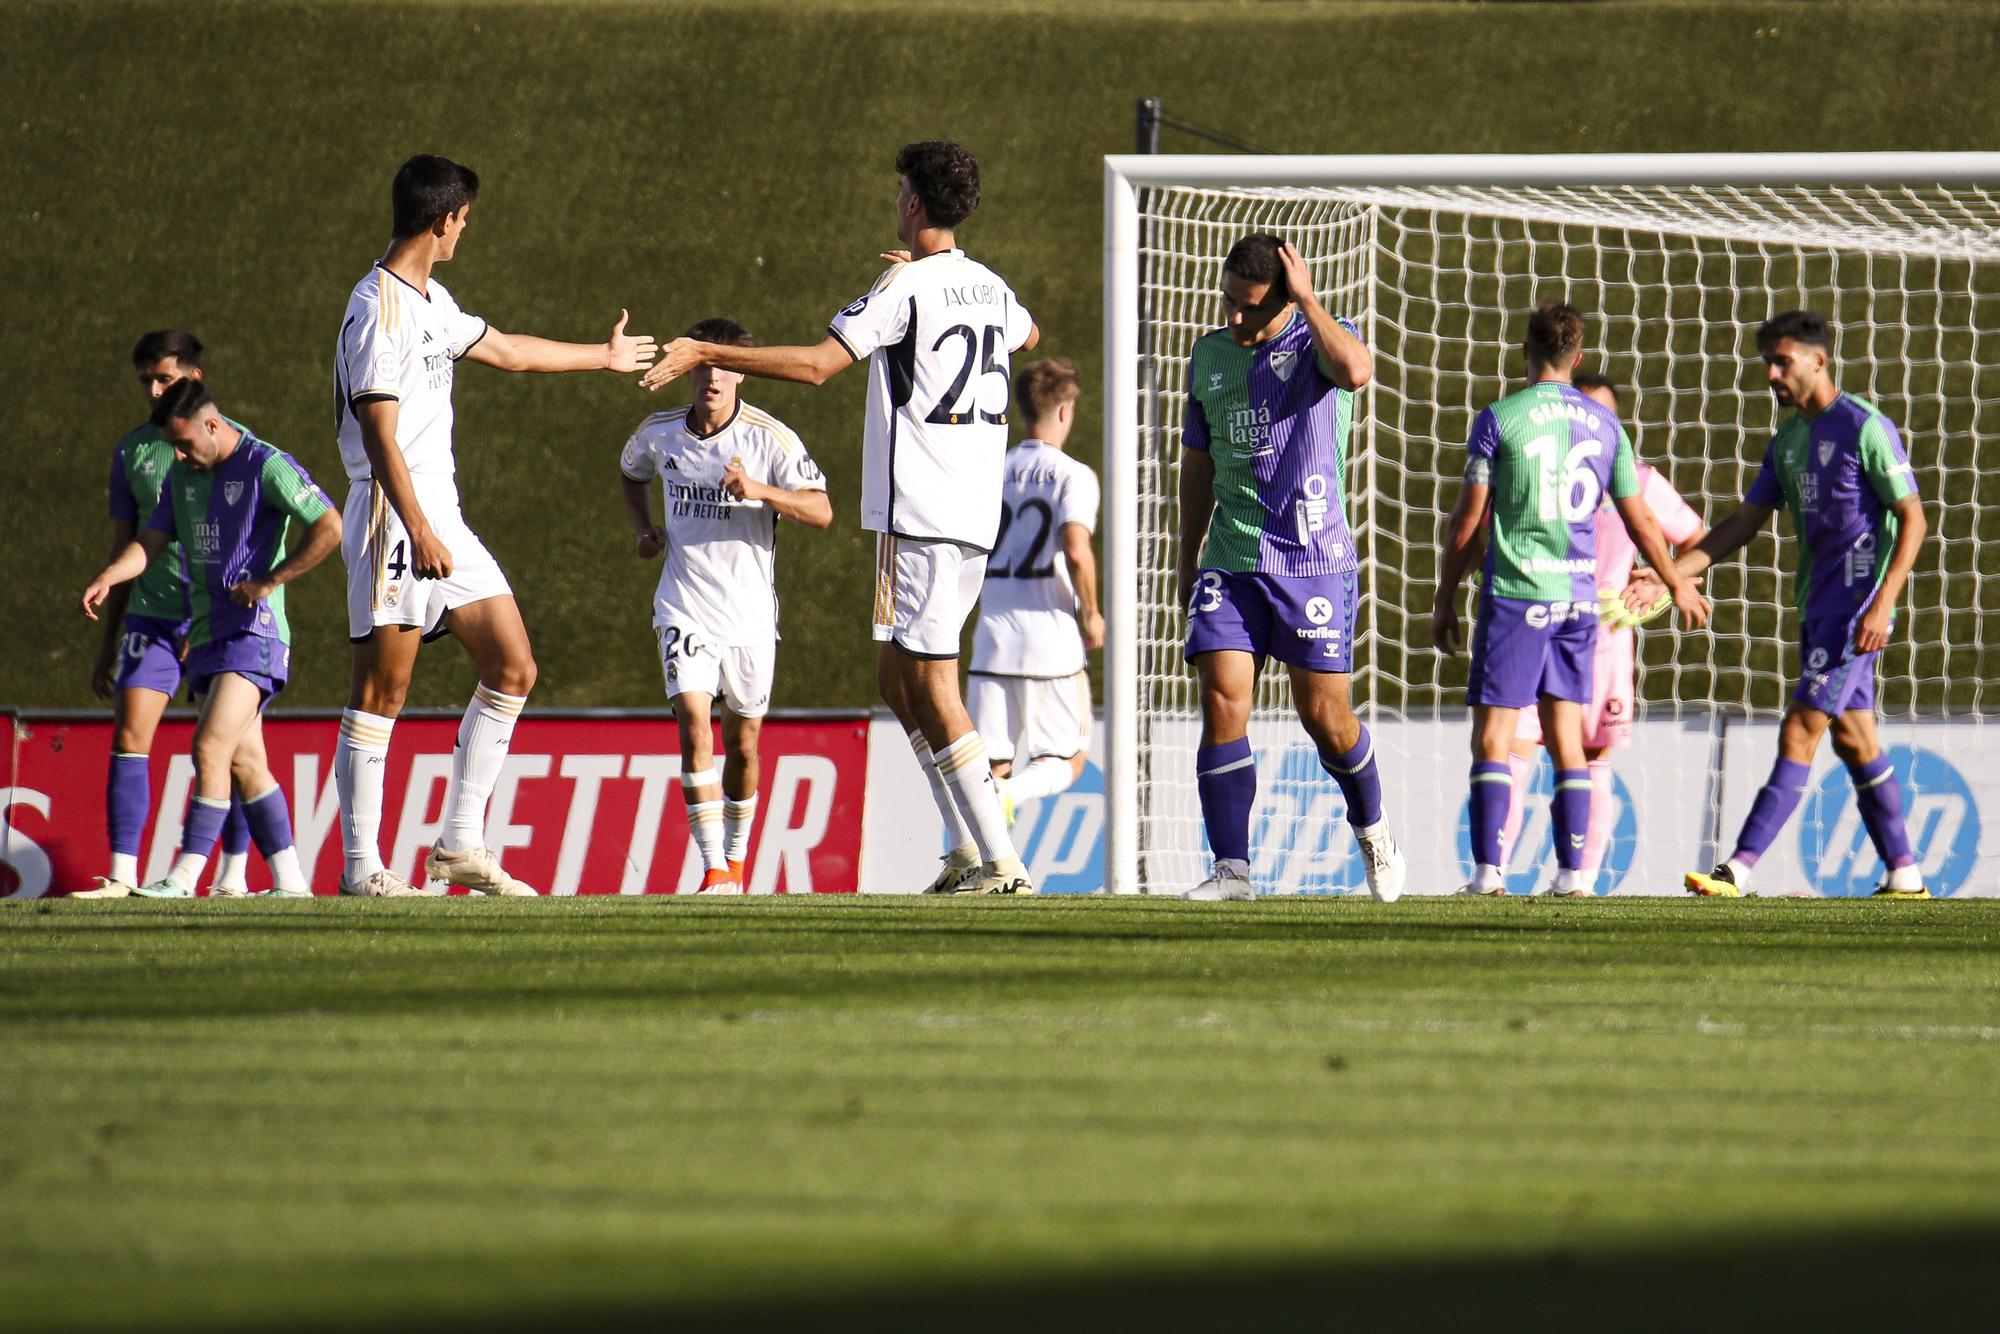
(139,464)
(1838,474)
(232,522)
(1276,428)
(1551,454)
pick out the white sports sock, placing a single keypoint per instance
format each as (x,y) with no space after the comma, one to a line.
(1738,872)
(125,867)
(1043,778)
(705,827)
(360,763)
(286,873)
(232,870)
(1488,877)
(736,819)
(968,777)
(1907,876)
(483,737)
(954,825)
(188,868)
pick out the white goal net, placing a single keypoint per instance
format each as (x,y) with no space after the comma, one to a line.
(1674,262)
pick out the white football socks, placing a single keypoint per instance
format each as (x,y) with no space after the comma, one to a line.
(968,777)
(232,870)
(736,819)
(125,867)
(483,737)
(1043,778)
(360,764)
(954,824)
(704,817)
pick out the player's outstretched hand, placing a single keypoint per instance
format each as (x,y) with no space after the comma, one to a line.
(896,256)
(1642,593)
(651,542)
(676,359)
(251,591)
(630,352)
(1444,627)
(1298,278)
(1692,606)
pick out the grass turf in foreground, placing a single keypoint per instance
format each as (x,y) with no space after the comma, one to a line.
(953,1114)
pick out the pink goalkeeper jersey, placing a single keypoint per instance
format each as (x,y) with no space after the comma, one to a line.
(1615,551)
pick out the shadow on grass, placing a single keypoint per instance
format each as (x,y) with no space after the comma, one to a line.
(1931,1280)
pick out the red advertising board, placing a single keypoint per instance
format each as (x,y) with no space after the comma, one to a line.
(587,803)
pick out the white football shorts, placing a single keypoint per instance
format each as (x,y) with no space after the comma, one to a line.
(740,674)
(924,590)
(1039,715)
(382,585)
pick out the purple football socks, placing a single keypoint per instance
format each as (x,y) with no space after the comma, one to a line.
(1354,769)
(1492,790)
(1569,811)
(1226,777)
(1775,802)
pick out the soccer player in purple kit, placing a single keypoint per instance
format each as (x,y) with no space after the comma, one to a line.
(1267,566)
(1837,463)
(230,499)
(1539,463)
(139,663)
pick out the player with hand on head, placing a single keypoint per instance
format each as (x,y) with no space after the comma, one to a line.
(938,329)
(1607,719)
(415,571)
(145,629)
(1038,613)
(730,472)
(1838,465)
(1267,565)
(1540,461)
(230,500)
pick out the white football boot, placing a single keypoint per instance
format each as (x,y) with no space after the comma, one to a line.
(959,873)
(1386,866)
(1229,882)
(1001,878)
(108,887)
(384,884)
(478,869)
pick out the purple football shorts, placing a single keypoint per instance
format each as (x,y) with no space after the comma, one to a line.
(1304,622)
(1833,678)
(265,663)
(149,654)
(1522,650)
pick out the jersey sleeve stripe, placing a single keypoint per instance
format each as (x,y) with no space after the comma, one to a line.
(845,346)
(484,329)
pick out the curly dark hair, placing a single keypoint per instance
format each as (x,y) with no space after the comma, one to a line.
(1801,326)
(944,176)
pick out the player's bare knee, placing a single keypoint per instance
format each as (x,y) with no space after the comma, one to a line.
(516,675)
(133,739)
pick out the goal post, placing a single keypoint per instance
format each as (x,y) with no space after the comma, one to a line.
(1674,259)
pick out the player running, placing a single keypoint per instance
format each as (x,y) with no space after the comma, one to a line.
(1607,719)
(145,629)
(230,499)
(415,571)
(1838,465)
(1540,460)
(1270,401)
(938,329)
(1038,611)
(730,471)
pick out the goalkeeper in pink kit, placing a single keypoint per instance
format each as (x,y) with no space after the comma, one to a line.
(1607,719)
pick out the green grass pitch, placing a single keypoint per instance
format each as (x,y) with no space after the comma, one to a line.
(950,1115)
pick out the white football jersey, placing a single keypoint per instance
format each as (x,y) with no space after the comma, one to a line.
(1027,611)
(938,332)
(397,342)
(722,554)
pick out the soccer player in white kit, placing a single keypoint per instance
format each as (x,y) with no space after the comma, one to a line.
(938,329)
(415,571)
(1607,719)
(730,472)
(1028,695)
